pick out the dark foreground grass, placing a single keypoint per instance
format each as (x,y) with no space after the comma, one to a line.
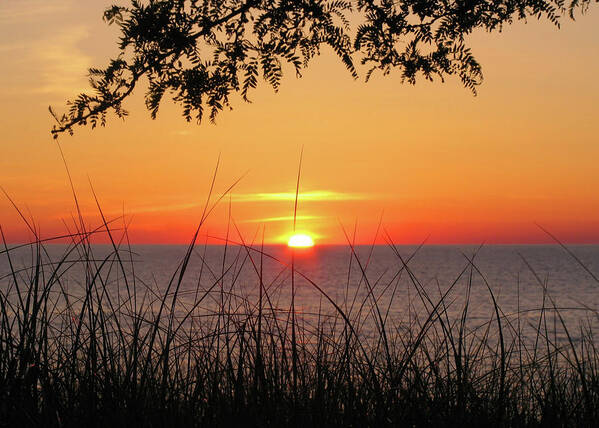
(85,342)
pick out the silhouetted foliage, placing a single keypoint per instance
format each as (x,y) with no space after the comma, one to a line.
(202,51)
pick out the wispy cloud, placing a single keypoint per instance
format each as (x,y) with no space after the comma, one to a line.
(63,65)
(283,218)
(182,133)
(44,59)
(315,195)
(163,208)
(31,10)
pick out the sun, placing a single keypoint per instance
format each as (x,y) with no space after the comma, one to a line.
(300,240)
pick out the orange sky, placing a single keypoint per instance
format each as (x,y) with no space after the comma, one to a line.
(432,159)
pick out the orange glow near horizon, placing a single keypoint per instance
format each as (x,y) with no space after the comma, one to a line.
(424,161)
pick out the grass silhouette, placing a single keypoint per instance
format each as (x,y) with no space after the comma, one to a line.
(85,341)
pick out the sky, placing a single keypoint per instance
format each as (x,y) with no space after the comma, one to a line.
(425,162)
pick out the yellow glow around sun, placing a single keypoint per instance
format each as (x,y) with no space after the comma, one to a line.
(300,240)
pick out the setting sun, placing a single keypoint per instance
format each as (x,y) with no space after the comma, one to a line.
(300,240)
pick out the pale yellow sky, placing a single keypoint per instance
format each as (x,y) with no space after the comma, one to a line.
(436,160)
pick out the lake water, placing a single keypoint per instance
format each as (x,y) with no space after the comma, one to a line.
(404,283)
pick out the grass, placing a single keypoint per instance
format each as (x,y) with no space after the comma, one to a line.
(85,341)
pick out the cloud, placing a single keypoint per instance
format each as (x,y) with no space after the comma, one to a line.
(315,195)
(62,65)
(31,10)
(283,218)
(45,56)
(182,133)
(162,208)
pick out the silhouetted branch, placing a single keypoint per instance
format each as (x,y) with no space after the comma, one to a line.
(200,51)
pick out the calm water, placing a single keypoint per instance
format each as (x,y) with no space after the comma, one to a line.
(516,275)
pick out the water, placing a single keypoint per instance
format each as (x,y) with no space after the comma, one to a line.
(405,283)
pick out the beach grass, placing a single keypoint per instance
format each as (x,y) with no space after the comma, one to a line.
(84,341)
